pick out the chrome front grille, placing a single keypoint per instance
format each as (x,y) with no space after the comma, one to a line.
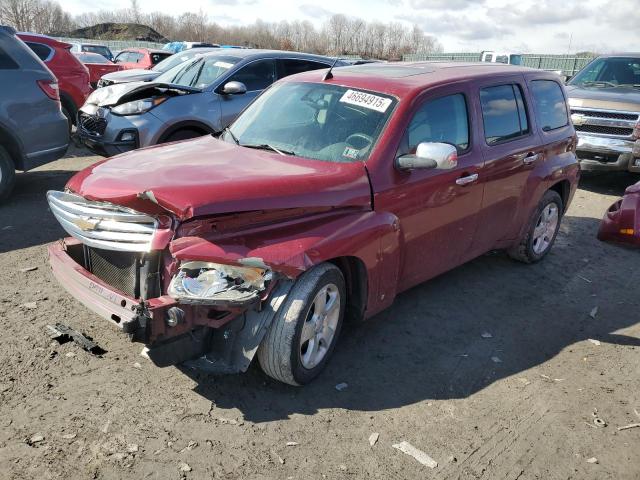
(103,225)
(605,123)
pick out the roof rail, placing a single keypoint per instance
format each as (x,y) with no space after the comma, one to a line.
(9,30)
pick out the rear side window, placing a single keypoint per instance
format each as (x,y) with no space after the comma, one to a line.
(256,76)
(122,57)
(135,57)
(6,62)
(443,120)
(42,51)
(291,67)
(551,106)
(503,113)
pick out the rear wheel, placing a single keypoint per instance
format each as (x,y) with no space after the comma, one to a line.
(184,134)
(542,231)
(7,174)
(305,330)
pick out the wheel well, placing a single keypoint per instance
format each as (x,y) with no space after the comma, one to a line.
(355,277)
(197,127)
(68,103)
(563,188)
(12,147)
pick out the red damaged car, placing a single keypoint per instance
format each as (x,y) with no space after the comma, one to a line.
(329,195)
(621,223)
(97,65)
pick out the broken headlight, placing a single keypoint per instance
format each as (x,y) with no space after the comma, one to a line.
(214,283)
(137,106)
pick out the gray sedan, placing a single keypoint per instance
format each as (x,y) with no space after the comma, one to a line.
(195,98)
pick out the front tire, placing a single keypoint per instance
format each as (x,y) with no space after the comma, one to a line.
(7,174)
(542,231)
(184,134)
(305,330)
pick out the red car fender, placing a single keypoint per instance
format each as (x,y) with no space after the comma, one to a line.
(621,222)
(370,237)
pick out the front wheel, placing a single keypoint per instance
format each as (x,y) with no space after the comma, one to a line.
(304,332)
(542,231)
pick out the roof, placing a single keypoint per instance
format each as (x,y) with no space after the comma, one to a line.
(35,37)
(622,54)
(148,50)
(400,78)
(258,53)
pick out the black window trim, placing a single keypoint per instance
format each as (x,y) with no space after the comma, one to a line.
(526,112)
(566,106)
(405,135)
(279,66)
(51,50)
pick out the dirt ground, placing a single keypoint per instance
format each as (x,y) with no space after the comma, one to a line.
(518,405)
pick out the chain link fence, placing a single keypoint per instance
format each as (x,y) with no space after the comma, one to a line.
(567,64)
(113,44)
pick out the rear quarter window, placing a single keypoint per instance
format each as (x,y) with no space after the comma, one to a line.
(6,62)
(550,105)
(42,51)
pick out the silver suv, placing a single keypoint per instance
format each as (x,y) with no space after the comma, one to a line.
(33,129)
(194,98)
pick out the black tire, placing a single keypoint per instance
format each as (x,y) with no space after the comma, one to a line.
(524,251)
(279,353)
(7,174)
(183,134)
(70,119)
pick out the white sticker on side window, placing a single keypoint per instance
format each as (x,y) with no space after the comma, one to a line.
(366,100)
(223,64)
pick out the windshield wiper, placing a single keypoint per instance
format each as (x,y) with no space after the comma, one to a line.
(228,130)
(632,85)
(265,146)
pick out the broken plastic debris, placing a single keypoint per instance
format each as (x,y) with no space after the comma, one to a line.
(30,305)
(185,467)
(28,269)
(342,386)
(37,438)
(595,342)
(593,312)
(598,422)
(419,455)
(292,444)
(63,334)
(631,425)
(592,460)
(373,438)
(486,335)
(496,360)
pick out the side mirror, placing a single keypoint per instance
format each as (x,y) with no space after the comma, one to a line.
(430,155)
(234,88)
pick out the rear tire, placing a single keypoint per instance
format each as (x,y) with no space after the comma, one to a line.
(70,119)
(184,134)
(542,230)
(305,330)
(7,174)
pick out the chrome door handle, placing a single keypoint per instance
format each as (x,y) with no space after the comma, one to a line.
(467,180)
(529,159)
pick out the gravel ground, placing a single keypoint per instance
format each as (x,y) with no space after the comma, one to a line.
(518,404)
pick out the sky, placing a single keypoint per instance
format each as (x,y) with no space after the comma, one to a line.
(524,26)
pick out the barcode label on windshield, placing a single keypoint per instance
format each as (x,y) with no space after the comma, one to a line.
(366,100)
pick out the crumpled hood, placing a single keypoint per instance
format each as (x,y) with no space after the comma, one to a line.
(114,94)
(615,98)
(135,75)
(207,176)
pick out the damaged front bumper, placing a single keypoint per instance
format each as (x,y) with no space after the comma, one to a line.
(226,339)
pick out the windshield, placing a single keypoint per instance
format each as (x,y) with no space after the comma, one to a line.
(311,120)
(104,51)
(91,58)
(199,73)
(609,72)
(176,59)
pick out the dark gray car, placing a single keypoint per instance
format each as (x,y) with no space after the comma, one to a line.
(33,130)
(194,98)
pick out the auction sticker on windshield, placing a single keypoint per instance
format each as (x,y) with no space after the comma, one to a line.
(223,64)
(366,100)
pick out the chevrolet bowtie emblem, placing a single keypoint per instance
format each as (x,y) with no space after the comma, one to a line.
(578,119)
(85,225)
